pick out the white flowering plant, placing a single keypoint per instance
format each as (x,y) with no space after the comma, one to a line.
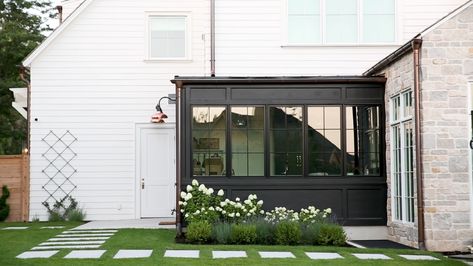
(280,214)
(198,203)
(238,211)
(314,215)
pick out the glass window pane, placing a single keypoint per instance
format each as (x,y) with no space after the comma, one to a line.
(286,140)
(341,6)
(341,29)
(315,117)
(407,104)
(167,36)
(378,7)
(362,141)
(325,164)
(208,140)
(379,29)
(247,141)
(304,29)
(303,6)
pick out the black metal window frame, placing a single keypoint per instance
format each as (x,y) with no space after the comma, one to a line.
(305,148)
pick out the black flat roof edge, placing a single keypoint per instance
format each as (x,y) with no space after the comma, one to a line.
(186,80)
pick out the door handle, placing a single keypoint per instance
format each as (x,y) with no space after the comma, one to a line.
(142,183)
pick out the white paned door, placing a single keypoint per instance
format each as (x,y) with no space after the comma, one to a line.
(157,172)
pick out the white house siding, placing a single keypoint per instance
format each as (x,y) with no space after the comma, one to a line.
(93,81)
(250,37)
(68,6)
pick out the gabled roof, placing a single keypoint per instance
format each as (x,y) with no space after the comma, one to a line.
(407,47)
(36,52)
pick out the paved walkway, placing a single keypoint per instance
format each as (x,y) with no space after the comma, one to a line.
(216,254)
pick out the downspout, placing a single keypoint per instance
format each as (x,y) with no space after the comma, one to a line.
(212,38)
(178,157)
(416,45)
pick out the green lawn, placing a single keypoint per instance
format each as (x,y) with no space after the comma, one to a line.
(12,243)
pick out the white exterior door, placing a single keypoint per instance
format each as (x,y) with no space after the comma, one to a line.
(157,172)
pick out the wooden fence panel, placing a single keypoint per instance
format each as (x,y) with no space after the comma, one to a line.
(14,172)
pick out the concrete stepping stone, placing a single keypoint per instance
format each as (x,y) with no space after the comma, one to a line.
(66,247)
(72,243)
(225,254)
(323,255)
(276,255)
(418,257)
(85,254)
(367,256)
(83,235)
(15,228)
(78,238)
(133,253)
(89,231)
(37,254)
(53,227)
(182,253)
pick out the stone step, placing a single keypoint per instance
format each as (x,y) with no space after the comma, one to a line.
(89,231)
(71,243)
(79,238)
(83,235)
(66,247)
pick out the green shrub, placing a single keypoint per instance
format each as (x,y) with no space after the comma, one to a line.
(287,233)
(199,232)
(4,207)
(264,232)
(310,233)
(76,215)
(243,234)
(222,233)
(331,234)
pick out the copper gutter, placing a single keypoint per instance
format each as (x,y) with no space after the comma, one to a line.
(416,45)
(178,157)
(212,38)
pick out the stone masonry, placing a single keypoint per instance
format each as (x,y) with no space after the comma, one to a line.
(446,70)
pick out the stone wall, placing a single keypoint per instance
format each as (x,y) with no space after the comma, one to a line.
(399,78)
(447,66)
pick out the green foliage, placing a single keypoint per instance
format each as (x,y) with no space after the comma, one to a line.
(310,233)
(199,232)
(243,234)
(65,209)
(4,207)
(331,234)
(288,233)
(76,215)
(20,32)
(222,232)
(264,232)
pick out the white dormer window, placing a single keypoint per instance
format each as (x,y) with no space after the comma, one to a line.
(168,37)
(341,22)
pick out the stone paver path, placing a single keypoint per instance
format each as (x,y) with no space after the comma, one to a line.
(323,255)
(182,253)
(133,253)
(85,254)
(418,257)
(53,227)
(77,239)
(276,255)
(15,228)
(37,254)
(367,256)
(226,254)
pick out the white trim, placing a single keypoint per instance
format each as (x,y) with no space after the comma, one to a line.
(137,190)
(188,35)
(447,17)
(45,44)
(400,122)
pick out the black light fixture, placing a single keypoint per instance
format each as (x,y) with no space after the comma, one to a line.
(160,116)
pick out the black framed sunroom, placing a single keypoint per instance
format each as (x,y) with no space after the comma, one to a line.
(293,141)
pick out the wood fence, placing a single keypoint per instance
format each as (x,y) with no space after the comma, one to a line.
(14,172)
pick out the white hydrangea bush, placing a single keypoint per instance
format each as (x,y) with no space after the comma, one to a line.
(314,215)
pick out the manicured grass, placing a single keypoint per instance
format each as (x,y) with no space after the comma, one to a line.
(12,243)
